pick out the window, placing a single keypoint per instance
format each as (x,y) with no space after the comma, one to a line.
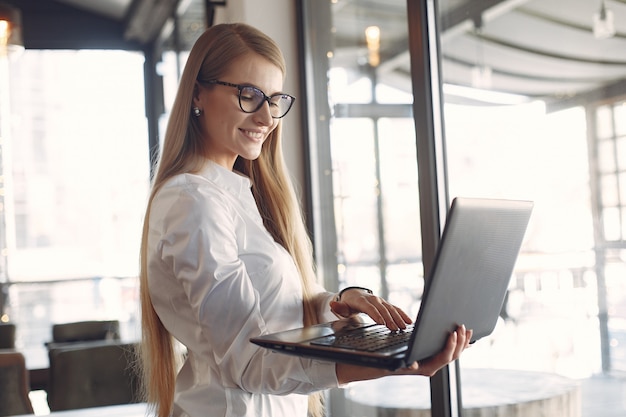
(541,133)
(533,105)
(75,191)
(368,145)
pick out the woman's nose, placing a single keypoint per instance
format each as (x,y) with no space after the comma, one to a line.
(263,116)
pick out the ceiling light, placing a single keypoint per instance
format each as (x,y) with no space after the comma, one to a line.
(372,37)
(603,24)
(480,72)
(10,28)
(481,77)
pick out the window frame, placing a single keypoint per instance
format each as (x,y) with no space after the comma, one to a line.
(427,112)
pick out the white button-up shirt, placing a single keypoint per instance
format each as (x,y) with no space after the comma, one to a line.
(217,278)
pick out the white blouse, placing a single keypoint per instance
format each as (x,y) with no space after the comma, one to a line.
(217,278)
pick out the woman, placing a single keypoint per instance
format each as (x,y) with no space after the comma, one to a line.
(225,255)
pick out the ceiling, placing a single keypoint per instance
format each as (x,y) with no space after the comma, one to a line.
(107,24)
(533,48)
(539,49)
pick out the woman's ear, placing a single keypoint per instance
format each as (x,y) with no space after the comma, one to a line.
(196,95)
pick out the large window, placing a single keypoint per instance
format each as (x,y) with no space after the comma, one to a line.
(79,129)
(76,185)
(532,103)
(537,130)
(368,144)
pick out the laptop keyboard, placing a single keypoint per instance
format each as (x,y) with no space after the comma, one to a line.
(373,338)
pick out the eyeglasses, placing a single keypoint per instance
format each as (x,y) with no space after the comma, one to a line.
(251,99)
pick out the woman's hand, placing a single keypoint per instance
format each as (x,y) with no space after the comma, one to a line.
(355,300)
(458,341)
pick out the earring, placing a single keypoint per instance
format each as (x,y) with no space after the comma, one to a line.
(197,112)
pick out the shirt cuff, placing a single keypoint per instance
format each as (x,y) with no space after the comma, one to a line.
(326,313)
(323,374)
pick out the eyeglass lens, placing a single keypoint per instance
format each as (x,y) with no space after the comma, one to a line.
(251,99)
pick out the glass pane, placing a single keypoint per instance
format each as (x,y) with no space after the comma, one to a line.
(610,197)
(615,273)
(80,164)
(622,188)
(364,276)
(604,122)
(620,153)
(612,223)
(399,190)
(606,156)
(80,179)
(520,131)
(620,120)
(518,79)
(355,190)
(406,292)
(623,223)
(374,161)
(343,88)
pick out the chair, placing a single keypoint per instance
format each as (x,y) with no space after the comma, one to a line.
(7,336)
(86,330)
(14,385)
(92,374)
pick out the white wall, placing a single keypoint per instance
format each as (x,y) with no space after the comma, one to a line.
(277,18)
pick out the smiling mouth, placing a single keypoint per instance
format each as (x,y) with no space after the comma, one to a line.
(253,135)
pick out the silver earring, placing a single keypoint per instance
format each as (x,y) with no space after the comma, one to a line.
(197,112)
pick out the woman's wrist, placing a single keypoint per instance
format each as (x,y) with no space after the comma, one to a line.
(351,373)
(367,290)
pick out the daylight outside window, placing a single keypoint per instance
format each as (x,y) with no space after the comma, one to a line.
(79,183)
(525,118)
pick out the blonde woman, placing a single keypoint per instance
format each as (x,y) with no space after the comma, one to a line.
(225,255)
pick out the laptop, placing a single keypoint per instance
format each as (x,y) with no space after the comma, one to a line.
(466,285)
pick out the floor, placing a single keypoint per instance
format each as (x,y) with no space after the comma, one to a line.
(604,396)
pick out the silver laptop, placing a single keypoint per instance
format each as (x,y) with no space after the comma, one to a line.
(466,285)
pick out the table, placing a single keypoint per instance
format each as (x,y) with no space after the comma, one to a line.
(485,393)
(38,367)
(126,410)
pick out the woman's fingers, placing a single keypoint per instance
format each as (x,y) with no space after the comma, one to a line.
(457,342)
(381,311)
(464,339)
(394,317)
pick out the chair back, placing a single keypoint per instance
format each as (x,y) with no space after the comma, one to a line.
(92,374)
(14,385)
(7,336)
(81,331)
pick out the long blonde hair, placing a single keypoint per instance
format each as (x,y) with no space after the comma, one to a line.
(184,151)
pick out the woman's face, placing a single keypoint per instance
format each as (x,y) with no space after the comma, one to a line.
(229,131)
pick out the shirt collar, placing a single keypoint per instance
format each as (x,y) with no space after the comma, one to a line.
(234,182)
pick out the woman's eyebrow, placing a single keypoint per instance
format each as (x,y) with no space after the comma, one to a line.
(264,92)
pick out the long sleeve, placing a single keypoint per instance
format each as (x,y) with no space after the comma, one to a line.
(322,301)
(218,278)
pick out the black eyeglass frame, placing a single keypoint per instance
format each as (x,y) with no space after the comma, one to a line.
(266,98)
